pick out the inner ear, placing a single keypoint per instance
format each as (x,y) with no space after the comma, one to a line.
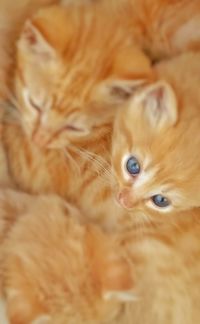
(123,90)
(158,104)
(32,41)
(118,91)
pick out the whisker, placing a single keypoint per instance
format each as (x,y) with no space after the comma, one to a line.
(99,161)
(98,165)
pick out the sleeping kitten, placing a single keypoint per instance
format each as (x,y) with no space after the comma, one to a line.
(55,269)
(68,88)
(156,161)
(70,79)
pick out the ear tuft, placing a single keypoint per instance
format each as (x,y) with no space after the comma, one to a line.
(159,105)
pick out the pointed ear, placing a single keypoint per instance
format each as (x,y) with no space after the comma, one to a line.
(118,91)
(110,269)
(33,42)
(159,105)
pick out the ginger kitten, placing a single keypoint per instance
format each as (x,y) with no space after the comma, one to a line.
(156,139)
(156,161)
(70,80)
(68,89)
(55,269)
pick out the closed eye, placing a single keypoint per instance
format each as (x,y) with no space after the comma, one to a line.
(35,106)
(72,128)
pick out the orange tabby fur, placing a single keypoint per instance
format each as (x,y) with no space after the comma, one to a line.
(160,127)
(67,93)
(78,89)
(168,111)
(161,27)
(12,17)
(55,269)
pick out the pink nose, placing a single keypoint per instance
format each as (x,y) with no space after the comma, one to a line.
(41,138)
(124,198)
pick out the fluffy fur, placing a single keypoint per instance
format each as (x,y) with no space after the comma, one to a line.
(12,18)
(167,151)
(68,89)
(55,269)
(160,127)
(162,28)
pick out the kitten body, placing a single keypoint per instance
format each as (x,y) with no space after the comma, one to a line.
(156,137)
(55,269)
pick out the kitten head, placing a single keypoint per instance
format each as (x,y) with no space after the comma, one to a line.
(71,73)
(155,152)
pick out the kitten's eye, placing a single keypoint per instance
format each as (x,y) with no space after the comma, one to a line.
(133,166)
(160,201)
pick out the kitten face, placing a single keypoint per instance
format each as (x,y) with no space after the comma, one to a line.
(67,84)
(154,159)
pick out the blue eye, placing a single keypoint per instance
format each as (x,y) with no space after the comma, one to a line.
(133,166)
(160,201)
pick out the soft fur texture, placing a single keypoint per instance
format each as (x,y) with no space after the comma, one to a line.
(12,18)
(161,27)
(55,269)
(67,93)
(60,101)
(68,89)
(160,127)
